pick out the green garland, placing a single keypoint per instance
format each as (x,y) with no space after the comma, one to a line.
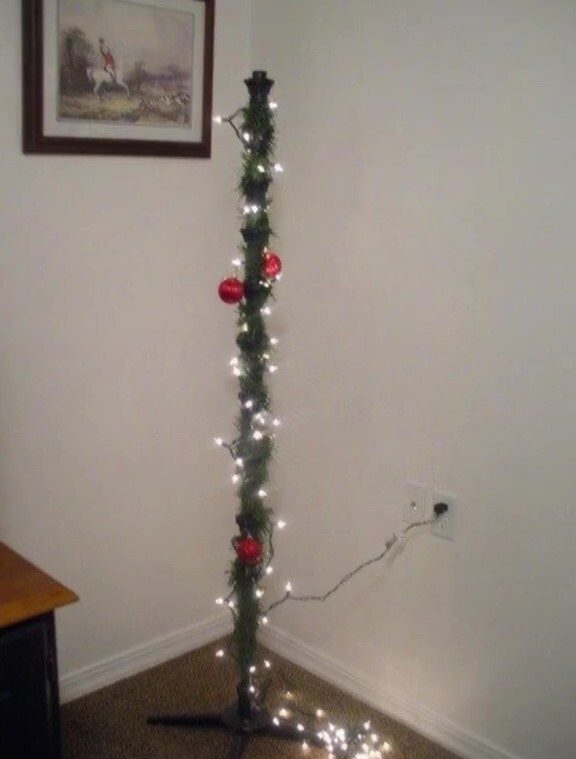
(254,518)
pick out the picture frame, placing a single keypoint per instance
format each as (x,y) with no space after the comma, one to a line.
(118,77)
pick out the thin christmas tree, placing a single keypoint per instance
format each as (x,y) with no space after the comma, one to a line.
(253,447)
(252,451)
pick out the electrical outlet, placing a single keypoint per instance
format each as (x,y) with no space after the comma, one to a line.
(445,526)
(415,501)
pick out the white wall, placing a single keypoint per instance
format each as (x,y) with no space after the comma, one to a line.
(427,226)
(112,368)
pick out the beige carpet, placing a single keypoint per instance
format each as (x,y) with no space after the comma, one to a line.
(111,723)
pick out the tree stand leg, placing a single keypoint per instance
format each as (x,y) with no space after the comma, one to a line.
(243,720)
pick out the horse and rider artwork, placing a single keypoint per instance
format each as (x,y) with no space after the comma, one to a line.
(125,62)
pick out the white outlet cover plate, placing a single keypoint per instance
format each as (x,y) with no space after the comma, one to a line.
(445,527)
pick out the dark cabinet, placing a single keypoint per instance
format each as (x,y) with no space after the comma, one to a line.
(29,709)
(29,704)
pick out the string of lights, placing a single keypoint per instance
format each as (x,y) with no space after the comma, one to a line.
(392,541)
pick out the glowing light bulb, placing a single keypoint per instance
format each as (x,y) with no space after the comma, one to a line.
(283,713)
(259,593)
(278,168)
(236,262)
(236,371)
(234,361)
(288,587)
(240,463)
(273,105)
(235,478)
(217,119)
(267,664)
(281,524)
(261,168)
(319,713)
(246,136)
(231,604)
(276,423)
(219,602)
(257,435)
(386,747)
(264,620)
(249,404)
(274,341)
(300,727)
(305,746)
(272,369)
(266,310)
(252,669)
(219,654)
(262,493)
(269,570)
(219,442)
(276,721)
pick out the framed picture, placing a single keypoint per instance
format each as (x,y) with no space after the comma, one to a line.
(118,77)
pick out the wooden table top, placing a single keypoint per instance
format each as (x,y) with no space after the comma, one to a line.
(26,591)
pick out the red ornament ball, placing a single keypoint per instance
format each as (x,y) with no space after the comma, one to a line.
(231,290)
(249,551)
(272,265)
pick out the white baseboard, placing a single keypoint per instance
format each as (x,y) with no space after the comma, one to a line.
(425,721)
(113,668)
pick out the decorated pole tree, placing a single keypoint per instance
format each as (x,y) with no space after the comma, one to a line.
(252,448)
(250,289)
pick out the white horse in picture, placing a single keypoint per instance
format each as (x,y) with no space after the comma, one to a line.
(100,78)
